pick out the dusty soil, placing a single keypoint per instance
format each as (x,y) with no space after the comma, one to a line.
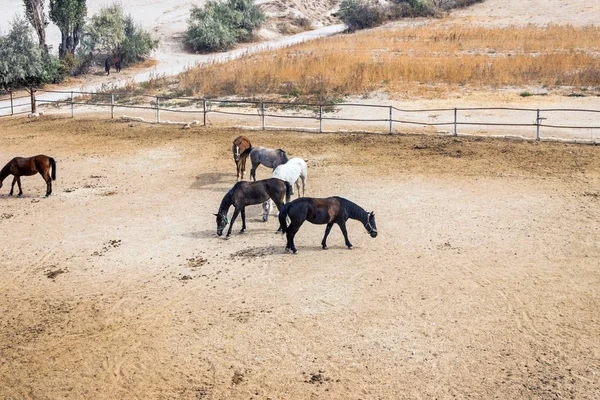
(482,283)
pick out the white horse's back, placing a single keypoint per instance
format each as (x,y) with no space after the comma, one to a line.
(292,171)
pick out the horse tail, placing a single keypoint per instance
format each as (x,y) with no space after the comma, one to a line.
(283,212)
(53,165)
(288,191)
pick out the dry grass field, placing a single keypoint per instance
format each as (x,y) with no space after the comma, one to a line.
(482,283)
(411,61)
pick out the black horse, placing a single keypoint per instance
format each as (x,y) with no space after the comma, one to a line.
(323,211)
(246,193)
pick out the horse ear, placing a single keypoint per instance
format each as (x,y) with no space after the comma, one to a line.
(216,215)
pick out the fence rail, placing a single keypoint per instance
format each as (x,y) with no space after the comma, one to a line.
(317,112)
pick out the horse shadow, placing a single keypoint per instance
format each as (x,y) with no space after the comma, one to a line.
(206,180)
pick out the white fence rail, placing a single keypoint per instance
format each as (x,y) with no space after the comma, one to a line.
(538,124)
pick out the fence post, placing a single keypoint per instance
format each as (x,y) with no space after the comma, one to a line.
(204,110)
(157,110)
(320,118)
(33,105)
(391,121)
(112,106)
(455,121)
(262,114)
(12,111)
(72,106)
(537,122)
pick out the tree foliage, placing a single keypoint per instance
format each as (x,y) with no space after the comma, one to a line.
(23,62)
(220,25)
(69,16)
(111,31)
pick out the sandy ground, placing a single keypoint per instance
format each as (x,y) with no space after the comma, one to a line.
(482,283)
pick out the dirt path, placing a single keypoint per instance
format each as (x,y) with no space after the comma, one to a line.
(482,283)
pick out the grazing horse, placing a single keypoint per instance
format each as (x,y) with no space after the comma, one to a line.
(241,148)
(323,211)
(271,158)
(246,193)
(21,166)
(292,171)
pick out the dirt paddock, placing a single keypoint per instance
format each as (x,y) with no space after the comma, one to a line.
(484,281)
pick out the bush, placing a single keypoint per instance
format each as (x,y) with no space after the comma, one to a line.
(220,25)
(361,14)
(419,8)
(111,31)
(138,43)
(23,62)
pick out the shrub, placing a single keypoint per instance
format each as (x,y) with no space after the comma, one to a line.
(111,31)
(22,62)
(220,25)
(138,43)
(360,14)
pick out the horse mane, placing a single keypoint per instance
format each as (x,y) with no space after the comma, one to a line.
(354,210)
(226,202)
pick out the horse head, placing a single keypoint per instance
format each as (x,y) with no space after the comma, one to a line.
(371,226)
(284,156)
(236,153)
(221,223)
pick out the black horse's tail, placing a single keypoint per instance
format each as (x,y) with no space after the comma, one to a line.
(53,165)
(288,191)
(283,217)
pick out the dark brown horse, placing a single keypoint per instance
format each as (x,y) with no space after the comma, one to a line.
(21,166)
(245,193)
(241,148)
(323,211)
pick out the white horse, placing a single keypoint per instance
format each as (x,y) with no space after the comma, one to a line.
(292,171)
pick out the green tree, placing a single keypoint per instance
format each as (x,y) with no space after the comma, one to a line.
(22,61)
(106,29)
(69,16)
(111,31)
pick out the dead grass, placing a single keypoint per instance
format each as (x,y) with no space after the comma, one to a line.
(398,60)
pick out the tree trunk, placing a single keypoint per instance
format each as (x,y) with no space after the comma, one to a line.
(34,10)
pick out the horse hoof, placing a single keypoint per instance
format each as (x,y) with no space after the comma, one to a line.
(242,231)
(324,247)
(349,247)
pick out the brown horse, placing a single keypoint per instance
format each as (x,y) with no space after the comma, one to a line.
(332,210)
(241,148)
(27,166)
(244,194)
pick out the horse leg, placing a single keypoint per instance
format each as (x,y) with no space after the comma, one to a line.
(19,183)
(342,225)
(253,170)
(303,184)
(327,230)
(243,166)
(278,203)
(266,210)
(290,234)
(243,219)
(237,166)
(12,187)
(298,186)
(48,180)
(235,214)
